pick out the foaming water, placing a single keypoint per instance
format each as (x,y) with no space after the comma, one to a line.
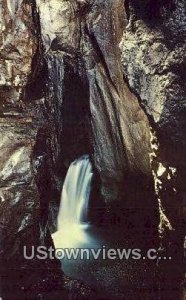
(73,225)
(76,193)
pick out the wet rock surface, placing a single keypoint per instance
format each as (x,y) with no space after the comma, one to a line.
(155,73)
(86,37)
(88,77)
(153,58)
(117,120)
(26,159)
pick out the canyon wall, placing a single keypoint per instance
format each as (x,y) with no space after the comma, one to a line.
(77,31)
(153,58)
(28,153)
(84,76)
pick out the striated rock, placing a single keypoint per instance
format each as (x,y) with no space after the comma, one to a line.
(153,58)
(118,123)
(156,76)
(60,24)
(91,47)
(27,154)
(61,96)
(33,86)
(66,89)
(18,42)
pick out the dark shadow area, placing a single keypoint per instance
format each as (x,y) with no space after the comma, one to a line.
(75,117)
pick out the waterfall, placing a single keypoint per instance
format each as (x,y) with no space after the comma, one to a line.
(73,213)
(76,193)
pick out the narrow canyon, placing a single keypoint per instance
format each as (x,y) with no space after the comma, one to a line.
(103,80)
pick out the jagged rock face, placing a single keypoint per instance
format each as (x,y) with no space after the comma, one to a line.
(59,64)
(27,157)
(18,42)
(63,94)
(60,24)
(86,36)
(32,89)
(118,123)
(153,57)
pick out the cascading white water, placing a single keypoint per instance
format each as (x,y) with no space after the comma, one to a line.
(72,217)
(75,194)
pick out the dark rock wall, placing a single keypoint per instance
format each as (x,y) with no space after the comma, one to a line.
(153,58)
(84,76)
(28,152)
(88,34)
(118,123)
